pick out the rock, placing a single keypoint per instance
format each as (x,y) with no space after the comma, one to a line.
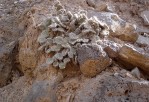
(127,55)
(134,57)
(91,3)
(142,30)
(110,88)
(119,28)
(143,40)
(41,91)
(16,91)
(43,88)
(6,62)
(92,59)
(28,54)
(111,19)
(111,48)
(145,16)
(71,70)
(26,89)
(135,72)
(100,5)
(10,31)
(110,8)
(127,33)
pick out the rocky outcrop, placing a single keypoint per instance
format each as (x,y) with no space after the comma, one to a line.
(6,63)
(119,28)
(16,91)
(128,56)
(107,87)
(10,31)
(112,88)
(28,55)
(135,58)
(100,6)
(92,59)
(41,91)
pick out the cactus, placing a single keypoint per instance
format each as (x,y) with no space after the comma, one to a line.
(63,33)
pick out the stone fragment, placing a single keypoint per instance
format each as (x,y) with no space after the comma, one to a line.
(119,28)
(41,91)
(145,16)
(127,55)
(111,48)
(126,33)
(28,50)
(134,57)
(92,59)
(91,3)
(100,5)
(136,73)
(16,91)
(110,88)
(143,40)
(6,62)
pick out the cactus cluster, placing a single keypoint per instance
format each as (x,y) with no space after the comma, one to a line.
(63,33)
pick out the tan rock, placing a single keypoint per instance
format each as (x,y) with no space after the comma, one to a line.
(118,27)
(132,56)
(41,91)
(112,88)
(92,60)
(126,33)
(102,6)
(28,54)
(71,70)
(16,91)
(111,48)
(126,55)
(6,62)
(91,3)
(136,73)
(99,5)
(93,67)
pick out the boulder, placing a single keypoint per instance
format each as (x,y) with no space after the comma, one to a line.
(41,91)
(135,57)
(110,87)
(91,3)
(118,27)
(41,88)
(11,29)
(92,59)
(126,33)
(128,56)
(6,64)
(28,54)
(16,91)
(111,48)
